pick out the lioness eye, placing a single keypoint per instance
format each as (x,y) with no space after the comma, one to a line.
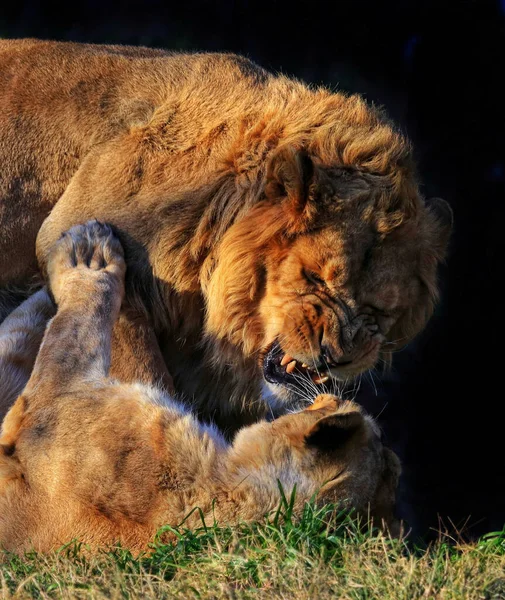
(314,278)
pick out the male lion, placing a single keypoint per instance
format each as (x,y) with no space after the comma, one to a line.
(85,457)
(272,231)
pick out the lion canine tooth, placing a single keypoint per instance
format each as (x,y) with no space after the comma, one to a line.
(286,359)
(305,365)
(291,367)
(320,379)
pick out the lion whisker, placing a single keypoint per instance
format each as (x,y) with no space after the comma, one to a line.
(369,373)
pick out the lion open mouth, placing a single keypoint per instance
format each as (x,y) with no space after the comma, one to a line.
(281,368)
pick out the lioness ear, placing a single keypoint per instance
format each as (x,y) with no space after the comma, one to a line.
(443,217)
(334,431)
(290,174)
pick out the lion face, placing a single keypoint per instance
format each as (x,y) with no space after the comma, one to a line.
(332,270)
(330,449)
(334,301)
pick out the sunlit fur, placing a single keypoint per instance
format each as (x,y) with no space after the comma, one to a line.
(84,457)
(223,182)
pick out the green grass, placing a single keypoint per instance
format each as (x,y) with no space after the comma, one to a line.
(321,555)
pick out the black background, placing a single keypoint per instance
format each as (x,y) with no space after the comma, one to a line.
(438,68)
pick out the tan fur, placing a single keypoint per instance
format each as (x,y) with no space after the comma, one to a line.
(83,457)
(230,188)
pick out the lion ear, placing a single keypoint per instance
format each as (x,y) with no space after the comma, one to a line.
(290,175)
(334,431)
(443,219)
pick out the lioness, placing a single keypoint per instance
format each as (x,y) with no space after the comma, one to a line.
(85,457)
(274,232)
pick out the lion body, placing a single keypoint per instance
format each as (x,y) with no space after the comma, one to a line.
(159,124)
(224,183)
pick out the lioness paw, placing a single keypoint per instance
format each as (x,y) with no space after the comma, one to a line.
(85,255)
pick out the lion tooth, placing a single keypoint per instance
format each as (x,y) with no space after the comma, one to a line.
(305,365)
(320,379)
(291,367)
(286,359)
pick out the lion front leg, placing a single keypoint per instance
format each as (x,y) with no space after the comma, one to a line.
(86,272)
(136,356)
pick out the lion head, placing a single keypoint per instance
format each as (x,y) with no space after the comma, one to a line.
(332,264)
(331,451)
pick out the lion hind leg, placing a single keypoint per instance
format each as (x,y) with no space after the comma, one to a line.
(20,338)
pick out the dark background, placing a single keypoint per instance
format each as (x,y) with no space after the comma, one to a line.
(438,68)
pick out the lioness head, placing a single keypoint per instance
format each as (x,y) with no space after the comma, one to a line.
(333,267)
(331,450)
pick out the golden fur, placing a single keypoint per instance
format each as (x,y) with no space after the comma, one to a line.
(89,458)
(259,217)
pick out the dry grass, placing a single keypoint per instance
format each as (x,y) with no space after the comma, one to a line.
(320,555)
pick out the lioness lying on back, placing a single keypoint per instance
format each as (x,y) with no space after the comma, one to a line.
(82,456)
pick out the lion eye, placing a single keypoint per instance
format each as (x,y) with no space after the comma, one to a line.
(314,278)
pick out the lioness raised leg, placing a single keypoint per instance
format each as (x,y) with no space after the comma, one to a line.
(85,457)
